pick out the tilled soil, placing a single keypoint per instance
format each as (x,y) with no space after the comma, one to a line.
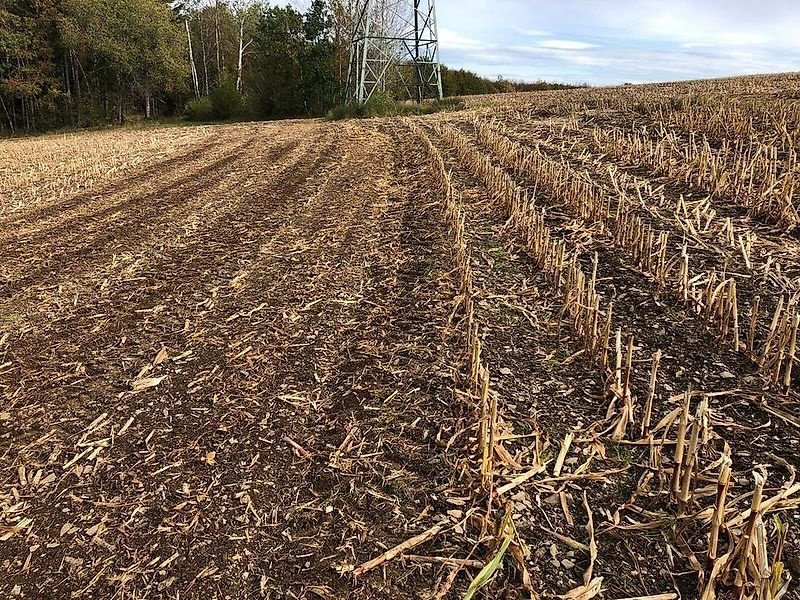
(239,371)
(230,379)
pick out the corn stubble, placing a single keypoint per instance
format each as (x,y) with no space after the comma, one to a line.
(685,194)
(693,254)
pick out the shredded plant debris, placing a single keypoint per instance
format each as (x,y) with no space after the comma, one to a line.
(544,347)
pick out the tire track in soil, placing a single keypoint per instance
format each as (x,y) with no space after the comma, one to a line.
(312,229)
(197,276)
(357,392)
(296,177)
(98,237)
(156,173)
(101,208)
(99,274)
(209,420)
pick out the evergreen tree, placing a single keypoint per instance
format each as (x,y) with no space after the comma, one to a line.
(278,76)
(319,82)
(29,79)
(294,62)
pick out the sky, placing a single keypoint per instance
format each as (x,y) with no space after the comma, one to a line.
(606,42)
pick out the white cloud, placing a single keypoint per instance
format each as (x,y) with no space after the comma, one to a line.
(449,39)
(533,32)
(615,41)
(525,53)
(723,38)
(715,22)
(565,45)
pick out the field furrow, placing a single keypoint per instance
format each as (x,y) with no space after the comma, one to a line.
(250,399)
(543,346)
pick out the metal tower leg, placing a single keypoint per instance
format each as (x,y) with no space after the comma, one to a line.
(395,46)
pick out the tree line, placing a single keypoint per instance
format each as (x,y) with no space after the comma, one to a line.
(460,82)
(78,63)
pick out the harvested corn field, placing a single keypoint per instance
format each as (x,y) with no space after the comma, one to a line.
(543,347)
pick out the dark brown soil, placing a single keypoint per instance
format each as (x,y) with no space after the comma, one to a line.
(240,372)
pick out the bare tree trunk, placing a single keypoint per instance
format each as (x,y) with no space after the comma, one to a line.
(216,35)
(205,57)
(242,48)
(147,100)
(241,51)
(68,89)
(25,116)
(67,83)
(76,81)
(195,82)
(25,120)
(8,116)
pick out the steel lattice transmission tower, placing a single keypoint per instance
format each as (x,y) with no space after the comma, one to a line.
(395,44)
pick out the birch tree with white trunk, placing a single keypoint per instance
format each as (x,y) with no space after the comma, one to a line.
(246,13)
(195,81)
(217,37)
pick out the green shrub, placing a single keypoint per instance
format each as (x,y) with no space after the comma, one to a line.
(382,105)
(450,103)
(344,111)
(226,101)
(199,110)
